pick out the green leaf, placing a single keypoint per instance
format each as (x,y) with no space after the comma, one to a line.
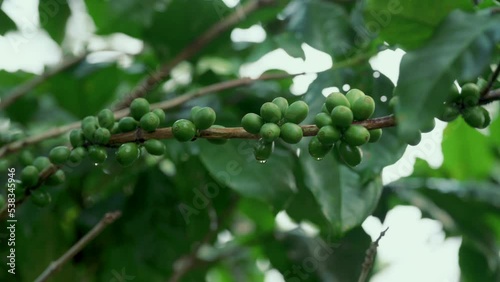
(461,48)
(323,25)
(475,266)
(238,170)
(86,90)
(290,44)
(6,23)
(53,17)
(467,153)
(179,14)
(126,16)
(407,23)
(345,198)
(303,258)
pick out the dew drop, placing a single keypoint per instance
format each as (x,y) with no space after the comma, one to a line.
(319,159)
(262,161)
(96,164)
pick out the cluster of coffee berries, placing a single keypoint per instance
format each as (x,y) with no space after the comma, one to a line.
(201,118)
(277,119)
(336,128)
(465,103)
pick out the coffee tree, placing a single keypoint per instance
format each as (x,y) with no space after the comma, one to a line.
(119,170)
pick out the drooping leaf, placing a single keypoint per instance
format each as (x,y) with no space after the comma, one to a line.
(408,23)
(460,49)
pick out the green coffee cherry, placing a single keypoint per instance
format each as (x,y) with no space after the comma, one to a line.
(160,114)
(487,118)
(89,126)
(115,129)
(375,135)
(183,130)
(448,113)
(194,110)
(270,112)
(40,198)
(149,122)
(20,191)
(474,116)
(204,118)
(102,136)
(353,95)
(155,147)
(282,103)
(55,179)
(26,157)
(317,150)
(328,135)
(59,155)
(470,94)
(393,102)
(351,155)
(324,109)
(76,138)
(106,118)
(297,112)
(356,135)
(41,163)
(413,139)
(322,119)
(454,95)
(127,124)
(29,176)
(98,154)
(428,126)
(217,141)
(77,155)
(252,123)
(269,132)
(291,133)
(342,116)
(138,108)
(127,154)
(263,150)
(336,99)
(363,108)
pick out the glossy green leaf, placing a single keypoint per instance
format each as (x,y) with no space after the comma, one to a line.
(53,17)
(238,170)
(460,49)
(408,23)
(323,25)
(467,152)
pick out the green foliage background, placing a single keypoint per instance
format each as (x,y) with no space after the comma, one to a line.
(445,41)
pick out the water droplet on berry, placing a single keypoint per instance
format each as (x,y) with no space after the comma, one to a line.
(319,159)
(262,161)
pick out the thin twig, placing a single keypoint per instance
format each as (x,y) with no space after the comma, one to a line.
(212,33)
(370,257)
(34,139)
(21,90)
(493,95)
(491,81)
(56,265)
